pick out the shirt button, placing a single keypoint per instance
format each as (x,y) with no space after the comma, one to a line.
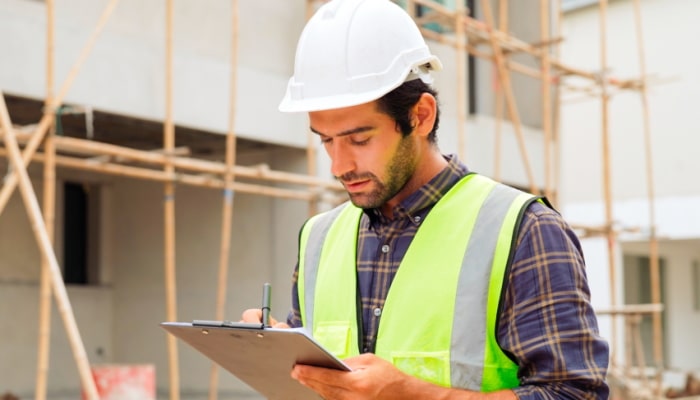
(416,219)
(385,248)
(365,350)
(377,312)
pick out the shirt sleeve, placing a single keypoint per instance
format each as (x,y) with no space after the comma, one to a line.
(547,322)
(294,316)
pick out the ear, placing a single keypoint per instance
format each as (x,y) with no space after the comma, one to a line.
(423,114)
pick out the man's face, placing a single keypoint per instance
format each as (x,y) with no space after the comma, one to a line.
(368,154)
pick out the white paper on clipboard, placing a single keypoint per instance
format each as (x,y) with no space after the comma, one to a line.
(263,358)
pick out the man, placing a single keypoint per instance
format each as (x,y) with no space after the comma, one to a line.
(435,283)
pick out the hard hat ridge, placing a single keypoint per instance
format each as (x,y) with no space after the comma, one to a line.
(353,52)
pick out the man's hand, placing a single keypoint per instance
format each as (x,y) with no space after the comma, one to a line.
(377,379)
(371,378)
(254,315)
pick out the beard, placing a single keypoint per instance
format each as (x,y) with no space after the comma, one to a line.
(398,171)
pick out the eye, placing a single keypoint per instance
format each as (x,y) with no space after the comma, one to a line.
(359,141)
(325,139)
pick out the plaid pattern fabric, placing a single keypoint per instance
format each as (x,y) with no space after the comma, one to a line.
(559,356)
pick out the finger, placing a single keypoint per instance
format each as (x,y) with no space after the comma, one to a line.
(252,315)
(326,382)
(280,325)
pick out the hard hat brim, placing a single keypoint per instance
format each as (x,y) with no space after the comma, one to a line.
(291,105)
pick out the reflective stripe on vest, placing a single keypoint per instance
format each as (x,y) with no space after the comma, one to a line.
(439,319)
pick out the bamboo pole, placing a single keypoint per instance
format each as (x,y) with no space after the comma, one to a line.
(40,233)
(460,37)
(607,185)
(44,342)
(504,77)
(311,167)
(88,147)
(192,180)
(546,96)
(654,269)
(47,119)
(309,8)
(556,124)
(227,211)
(311,140)
(629,309)
(629,345)
(498,134)
(169,207)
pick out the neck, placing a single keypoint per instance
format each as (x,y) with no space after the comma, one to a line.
(427,167)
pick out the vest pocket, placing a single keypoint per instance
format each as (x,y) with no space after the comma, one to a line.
(335,337)
(431,366)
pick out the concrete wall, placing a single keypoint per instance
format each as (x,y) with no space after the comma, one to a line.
(675,88)
(125,72)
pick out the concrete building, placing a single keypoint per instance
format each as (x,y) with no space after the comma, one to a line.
(674,88)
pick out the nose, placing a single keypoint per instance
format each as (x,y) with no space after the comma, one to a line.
(342,159)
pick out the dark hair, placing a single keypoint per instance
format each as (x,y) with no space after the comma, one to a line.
(397,104)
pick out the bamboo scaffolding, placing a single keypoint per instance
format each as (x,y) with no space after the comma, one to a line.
(556,120)
(461,82)
(39,229)
(192,180)
(126,154)
(632,315)
(504,77)
(228,194)
(654,270)
(546,96)
(483,32)
(49,265)
(47,119)
(607,184)
(498,98)
(311,139)
(169,208)
(49,197)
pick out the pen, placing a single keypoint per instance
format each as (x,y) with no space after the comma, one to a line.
(267,293)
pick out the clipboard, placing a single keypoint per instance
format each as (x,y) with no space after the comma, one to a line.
(262,357)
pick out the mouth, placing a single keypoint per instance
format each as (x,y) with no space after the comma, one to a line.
(356,186)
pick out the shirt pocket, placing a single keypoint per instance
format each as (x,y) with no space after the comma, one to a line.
(335,337)
(431,366)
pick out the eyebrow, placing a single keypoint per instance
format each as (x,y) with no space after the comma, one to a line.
(352,131)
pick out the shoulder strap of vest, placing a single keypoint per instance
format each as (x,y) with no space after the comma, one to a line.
(311,241)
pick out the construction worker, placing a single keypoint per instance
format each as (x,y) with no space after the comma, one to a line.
(432,282)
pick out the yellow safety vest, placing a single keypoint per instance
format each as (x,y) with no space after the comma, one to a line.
(440,317)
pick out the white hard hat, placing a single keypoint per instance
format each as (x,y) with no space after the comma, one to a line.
(355,51)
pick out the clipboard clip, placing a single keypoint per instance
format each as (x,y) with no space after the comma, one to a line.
(227,324)
(266,301)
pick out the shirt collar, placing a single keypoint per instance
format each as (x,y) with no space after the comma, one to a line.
(426,196)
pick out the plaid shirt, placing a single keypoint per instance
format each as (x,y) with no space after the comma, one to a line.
(547,323)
